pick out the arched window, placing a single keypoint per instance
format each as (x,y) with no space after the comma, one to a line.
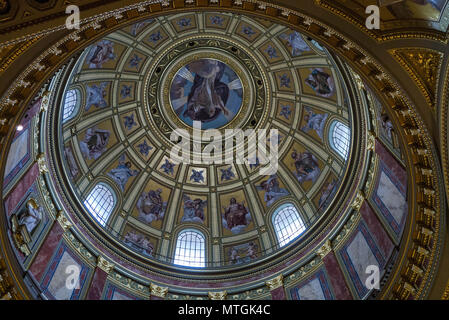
(100,202)
(71,104)
(190,249)
(287,223)
(340,137)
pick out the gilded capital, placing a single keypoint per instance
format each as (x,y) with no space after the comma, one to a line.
(221,295)
(325,249)
(275,282)
(358,201)
(158,291)
(104,264)
(63,221)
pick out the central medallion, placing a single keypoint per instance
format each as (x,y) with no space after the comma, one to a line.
(206,90)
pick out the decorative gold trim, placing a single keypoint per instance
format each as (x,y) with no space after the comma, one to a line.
(220,295)
(63,221)
(104,264)
(158,291)
(275,282)
(325,249)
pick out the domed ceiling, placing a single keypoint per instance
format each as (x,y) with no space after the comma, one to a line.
(129,92)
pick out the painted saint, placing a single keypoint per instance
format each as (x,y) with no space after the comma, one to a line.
(73,167)
(306,165)
(139,242)
(96,96)
(150,206)
(236,216)
(328,189)
(193,210)
(272,190)
(122,173)
(314,121)
(31,217)
(296,43)
(206,90)
(243,253)
(321,82)
(100,53)
(94,143)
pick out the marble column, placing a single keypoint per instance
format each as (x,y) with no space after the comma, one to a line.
(102,271)
(333,269)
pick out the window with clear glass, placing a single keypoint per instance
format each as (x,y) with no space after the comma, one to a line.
(190,249)
(340,137)
(100,202)
(287,223)
(70,104)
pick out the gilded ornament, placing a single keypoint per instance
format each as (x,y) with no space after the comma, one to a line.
(158,291)
(275,282)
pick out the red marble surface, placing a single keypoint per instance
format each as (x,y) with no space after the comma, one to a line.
(21,188)
(278,294)
(376,229)
(46,251)
(336,277)
(393,165)
(97,285)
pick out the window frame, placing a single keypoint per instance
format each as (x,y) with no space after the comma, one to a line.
(284,240)
(101,219)
(180,261)
(76,106)
(337,147)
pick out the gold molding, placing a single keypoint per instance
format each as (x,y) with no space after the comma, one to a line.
(104,264)
(220,295)
(158,291)
(275,282)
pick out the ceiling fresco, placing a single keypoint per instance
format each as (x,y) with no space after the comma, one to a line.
(142,82)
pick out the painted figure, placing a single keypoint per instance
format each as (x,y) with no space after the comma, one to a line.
(96,96)
(314,121)
(327,190)
(150,206)
(236,216)
(139,242)
(94,143)
(193,210)
(306,165)
(206,90)
(321,82)
(100,53)
(296,42)
(122,173)
(273,191)
(227,174)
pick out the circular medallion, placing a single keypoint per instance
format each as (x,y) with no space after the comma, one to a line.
(208,91)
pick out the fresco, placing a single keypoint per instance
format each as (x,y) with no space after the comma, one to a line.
(271,190)
(286,111)
(151,205)
(72,164)
(97,96)
(313,123)
(122,172)
(206,90)
(194,209)
(103,55)
(295,43)
(138,241)
(318,81)
(235,215)
(184,23)
(324,196)
(304,165)
(242,253)
(94,143)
